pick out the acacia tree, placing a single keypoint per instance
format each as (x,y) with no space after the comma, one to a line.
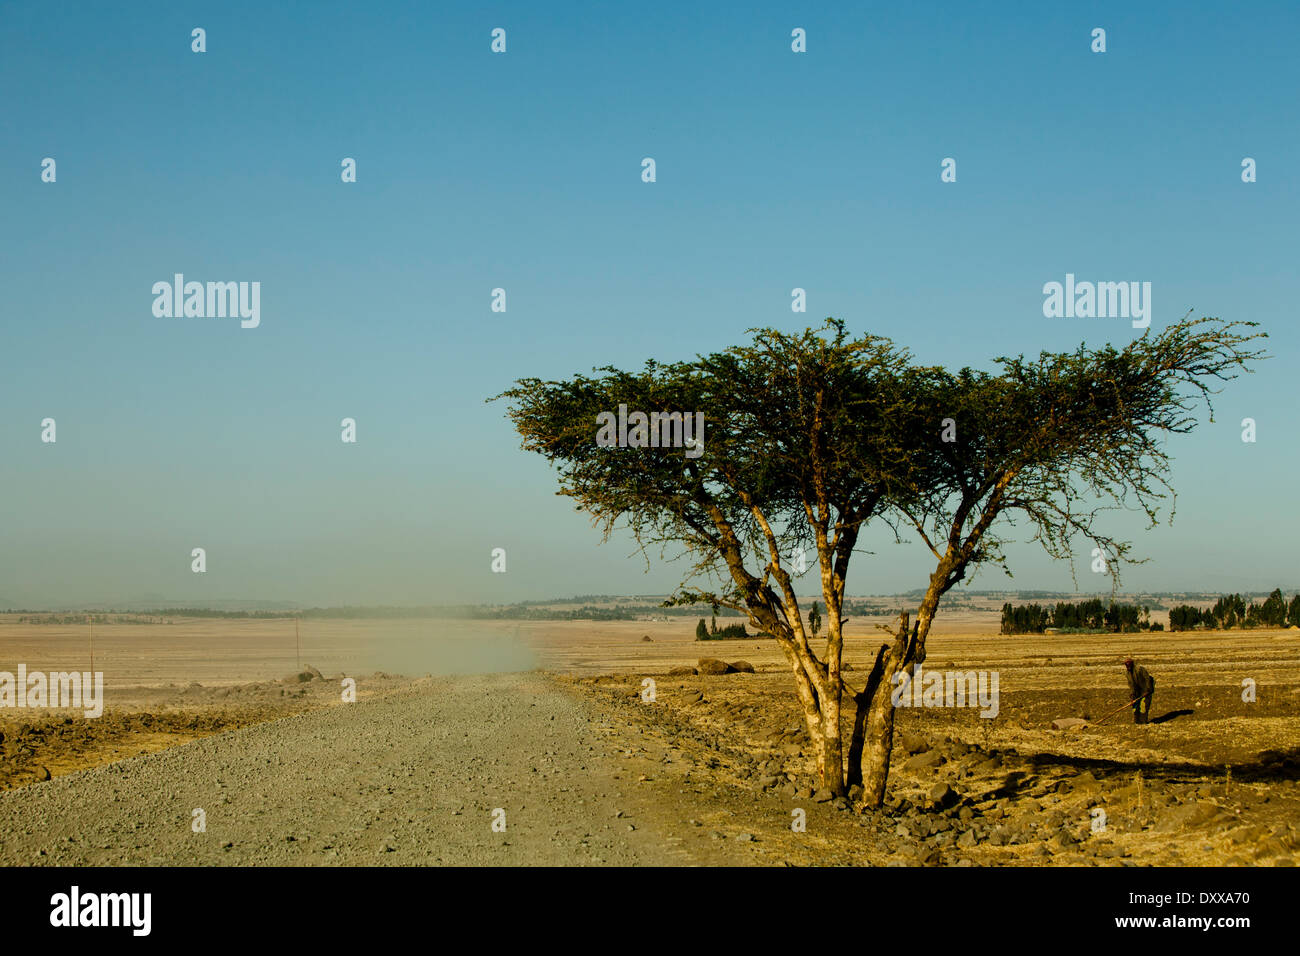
(1055,442)
(810,437)
(806,442)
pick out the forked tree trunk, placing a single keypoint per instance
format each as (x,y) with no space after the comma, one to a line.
(907,650)
(878,745)
(873,732)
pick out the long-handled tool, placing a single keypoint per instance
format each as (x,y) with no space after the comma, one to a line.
(1118,709)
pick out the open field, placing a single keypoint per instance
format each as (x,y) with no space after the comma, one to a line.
(723,758)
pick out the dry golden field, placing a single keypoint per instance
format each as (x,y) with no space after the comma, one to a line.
(1213,779)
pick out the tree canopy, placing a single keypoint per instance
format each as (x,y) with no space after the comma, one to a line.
(810,437)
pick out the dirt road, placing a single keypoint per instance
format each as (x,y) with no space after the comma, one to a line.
(409,778)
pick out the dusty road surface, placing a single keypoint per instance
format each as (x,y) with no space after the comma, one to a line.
(408,778)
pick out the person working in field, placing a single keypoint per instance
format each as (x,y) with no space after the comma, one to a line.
(1141,685)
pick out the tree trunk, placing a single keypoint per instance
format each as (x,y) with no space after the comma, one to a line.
(874,726)
(811,704)
(832,775)
(878,744)
(907,651)
(860,718)
(831,764)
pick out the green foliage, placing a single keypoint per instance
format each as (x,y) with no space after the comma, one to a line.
(1273,612)
(1184,617)
(1231,610)
(728,632)
(1080,616)
(1228,612)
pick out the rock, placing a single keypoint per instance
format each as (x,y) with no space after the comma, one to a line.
(742,667)
(42,772)
(1012,781)
(839,803)
(856,792)
(923,761)
(1270,847)
(1250,834)
(713,666)
(765,782)
(943,796)
(822,796)
(1189,815)
(967,838)
(682,672)
(1085,782)
(646,638)
(913,743)
(1069,723)
(746,838)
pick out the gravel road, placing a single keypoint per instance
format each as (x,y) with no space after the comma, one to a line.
(408,778)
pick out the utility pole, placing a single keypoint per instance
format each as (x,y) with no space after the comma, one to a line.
(297,646)
(92,647)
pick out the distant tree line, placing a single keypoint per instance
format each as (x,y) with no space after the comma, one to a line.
(1231,610)
(36,617)
(1090,615)
(729,632)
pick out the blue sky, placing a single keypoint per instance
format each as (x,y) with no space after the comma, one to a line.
(478,170)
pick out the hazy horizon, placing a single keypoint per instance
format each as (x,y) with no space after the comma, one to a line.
(255,606)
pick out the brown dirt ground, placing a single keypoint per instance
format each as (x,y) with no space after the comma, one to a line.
(1216,781)
(36,745)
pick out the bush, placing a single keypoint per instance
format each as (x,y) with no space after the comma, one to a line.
(729,632)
